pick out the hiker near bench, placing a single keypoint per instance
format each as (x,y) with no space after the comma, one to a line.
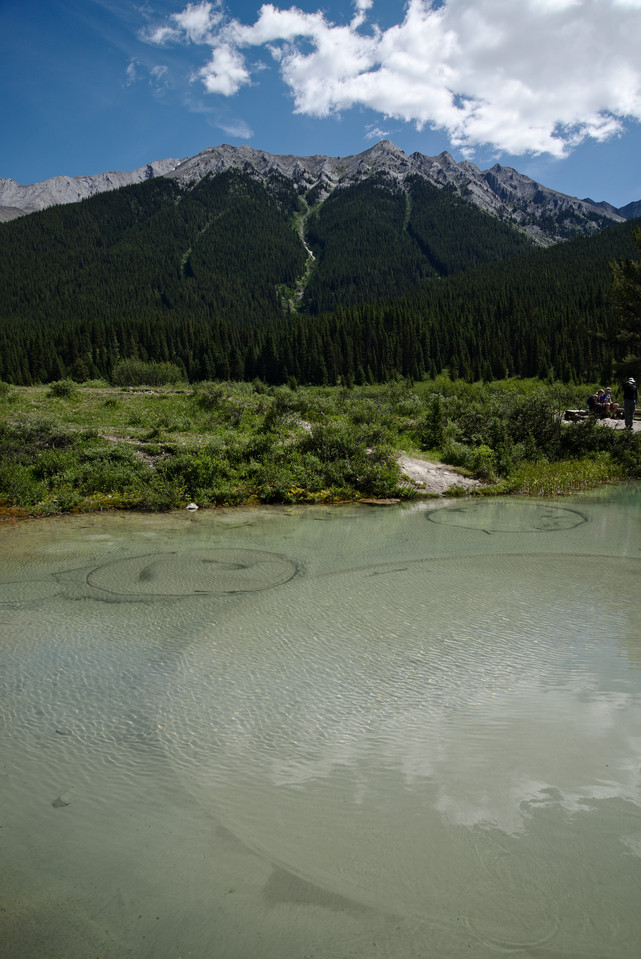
(629,402)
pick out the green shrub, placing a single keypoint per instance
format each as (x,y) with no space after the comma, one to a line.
(429,428)
(24,440)
(209,395)
(567,476)
(139,373)
(51,462)
(195,471)
(65,389)
(482,462)
(18,486)
(66,498)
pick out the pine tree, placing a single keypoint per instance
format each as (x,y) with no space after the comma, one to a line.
(625,299)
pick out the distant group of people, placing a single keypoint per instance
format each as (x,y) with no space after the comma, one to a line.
(603,405)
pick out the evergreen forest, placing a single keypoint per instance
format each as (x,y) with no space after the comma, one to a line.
(232,279)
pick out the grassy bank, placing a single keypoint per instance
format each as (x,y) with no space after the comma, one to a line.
(93,446)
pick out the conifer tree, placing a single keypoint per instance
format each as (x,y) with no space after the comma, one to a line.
(625,299)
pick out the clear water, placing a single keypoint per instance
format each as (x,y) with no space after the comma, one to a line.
(342,732)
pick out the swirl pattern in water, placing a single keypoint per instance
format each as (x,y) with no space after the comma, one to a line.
(195,572)
(501,517)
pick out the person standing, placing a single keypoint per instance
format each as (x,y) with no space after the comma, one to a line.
(629,402)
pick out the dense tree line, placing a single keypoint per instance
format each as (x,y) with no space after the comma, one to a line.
(626,309)
(194,277)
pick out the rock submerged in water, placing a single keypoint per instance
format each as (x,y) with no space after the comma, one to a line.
(380,502)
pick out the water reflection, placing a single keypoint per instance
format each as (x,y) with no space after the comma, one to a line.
(250,733)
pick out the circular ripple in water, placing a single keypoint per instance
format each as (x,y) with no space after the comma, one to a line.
(498,517)
(193,572)
(388,732)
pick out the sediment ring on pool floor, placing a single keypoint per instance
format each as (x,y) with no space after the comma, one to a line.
(193,573)
(498,517)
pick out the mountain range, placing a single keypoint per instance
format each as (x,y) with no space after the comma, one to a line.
(543,214)
(237,264)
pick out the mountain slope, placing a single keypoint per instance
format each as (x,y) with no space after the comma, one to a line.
(544,214)
(17,200)
(234,248)
(379,238)
(319,270)
(548,216)
(543,312)
(219,250)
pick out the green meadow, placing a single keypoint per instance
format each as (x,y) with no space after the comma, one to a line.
(93,446)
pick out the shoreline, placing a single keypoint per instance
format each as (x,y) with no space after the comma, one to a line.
(425,479)
(87,448)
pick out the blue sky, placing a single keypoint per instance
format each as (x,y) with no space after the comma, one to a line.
(551,87)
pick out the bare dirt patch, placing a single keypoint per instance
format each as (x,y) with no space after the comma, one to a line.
(434,478)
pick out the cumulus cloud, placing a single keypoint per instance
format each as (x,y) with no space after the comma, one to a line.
(537,76)
(196,23)
(226,71)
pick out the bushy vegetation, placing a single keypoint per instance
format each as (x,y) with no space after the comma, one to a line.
(87,447)
(139,373)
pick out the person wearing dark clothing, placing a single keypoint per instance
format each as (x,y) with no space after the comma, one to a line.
(598,402)
(629,402)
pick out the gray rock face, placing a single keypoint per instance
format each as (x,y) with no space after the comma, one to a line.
(545,215)
(631,210)
(9,213)
(16,200)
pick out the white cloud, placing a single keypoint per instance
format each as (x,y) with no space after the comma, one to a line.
(195,23)
(374,132)
(132,72)
(226,72)
(198,20)
(159,72)
(159,77)
(236,128)
(535,76)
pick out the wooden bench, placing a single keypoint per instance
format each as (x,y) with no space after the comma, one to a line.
(574,416)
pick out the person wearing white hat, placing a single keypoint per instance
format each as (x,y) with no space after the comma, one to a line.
(629,402)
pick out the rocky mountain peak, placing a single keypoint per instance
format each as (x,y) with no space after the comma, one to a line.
(546,215)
